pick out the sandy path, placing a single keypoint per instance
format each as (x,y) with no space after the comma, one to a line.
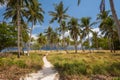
(47,73)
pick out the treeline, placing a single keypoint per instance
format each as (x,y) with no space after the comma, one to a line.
(79,31)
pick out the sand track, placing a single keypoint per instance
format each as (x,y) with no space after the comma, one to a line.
(47,72)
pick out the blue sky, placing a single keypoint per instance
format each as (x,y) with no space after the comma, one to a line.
(87,8)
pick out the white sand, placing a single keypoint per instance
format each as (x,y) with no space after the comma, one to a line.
(47,73)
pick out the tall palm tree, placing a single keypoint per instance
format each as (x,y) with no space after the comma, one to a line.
(34,14)
(109,30)
(74,31)
(86,24)
(15,7)
(63,28)
(48,33)
(115,17)
(113,14)
(18,7)
(59,14)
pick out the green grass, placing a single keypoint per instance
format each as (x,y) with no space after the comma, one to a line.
(73,66)
(12,68)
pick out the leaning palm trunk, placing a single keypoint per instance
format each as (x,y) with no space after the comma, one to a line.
(30,39)
(115,17)
(18,25)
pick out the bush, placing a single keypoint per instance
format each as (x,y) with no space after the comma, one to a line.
(21,64)
(114,69)
(99,69)
(72,68)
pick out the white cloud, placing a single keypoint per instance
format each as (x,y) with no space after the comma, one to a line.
(95,30)
(34,36)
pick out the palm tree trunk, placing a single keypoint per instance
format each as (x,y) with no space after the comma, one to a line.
(110,44)
(82,47)
(115,17)
(75,46)
(65,48)
(18,24)
(30,38)
(89,42)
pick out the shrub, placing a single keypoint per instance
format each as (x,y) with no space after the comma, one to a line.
(99,69)
(21,64)
(114,69)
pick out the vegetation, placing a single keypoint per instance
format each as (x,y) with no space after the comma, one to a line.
(8,36)
(13,68)
(14,32)
(86,66)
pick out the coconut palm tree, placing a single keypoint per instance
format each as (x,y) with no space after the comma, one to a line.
(48,34)
(95,40)
(15,7)
(108,29)
(59,15)
(113,14)
(18,7)
(115,17)
(74,31)
(86,24)
(63,28)
(41,39)
(34,14)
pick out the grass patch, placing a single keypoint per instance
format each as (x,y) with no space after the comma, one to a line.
(86,65)
(12,68)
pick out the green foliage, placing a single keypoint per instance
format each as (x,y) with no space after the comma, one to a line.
(8,36)
(99,69)
(21,64)
(114,69)
(71,68)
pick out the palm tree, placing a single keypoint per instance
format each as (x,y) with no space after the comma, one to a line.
(115,17)
(74,31)
(113,14)
(63,28)
(67,40)
(15,7)
(18,7)
(48,33)
(109,30)
(59,14)
(85,23)
(95,40)
(34,14)
(41,39)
